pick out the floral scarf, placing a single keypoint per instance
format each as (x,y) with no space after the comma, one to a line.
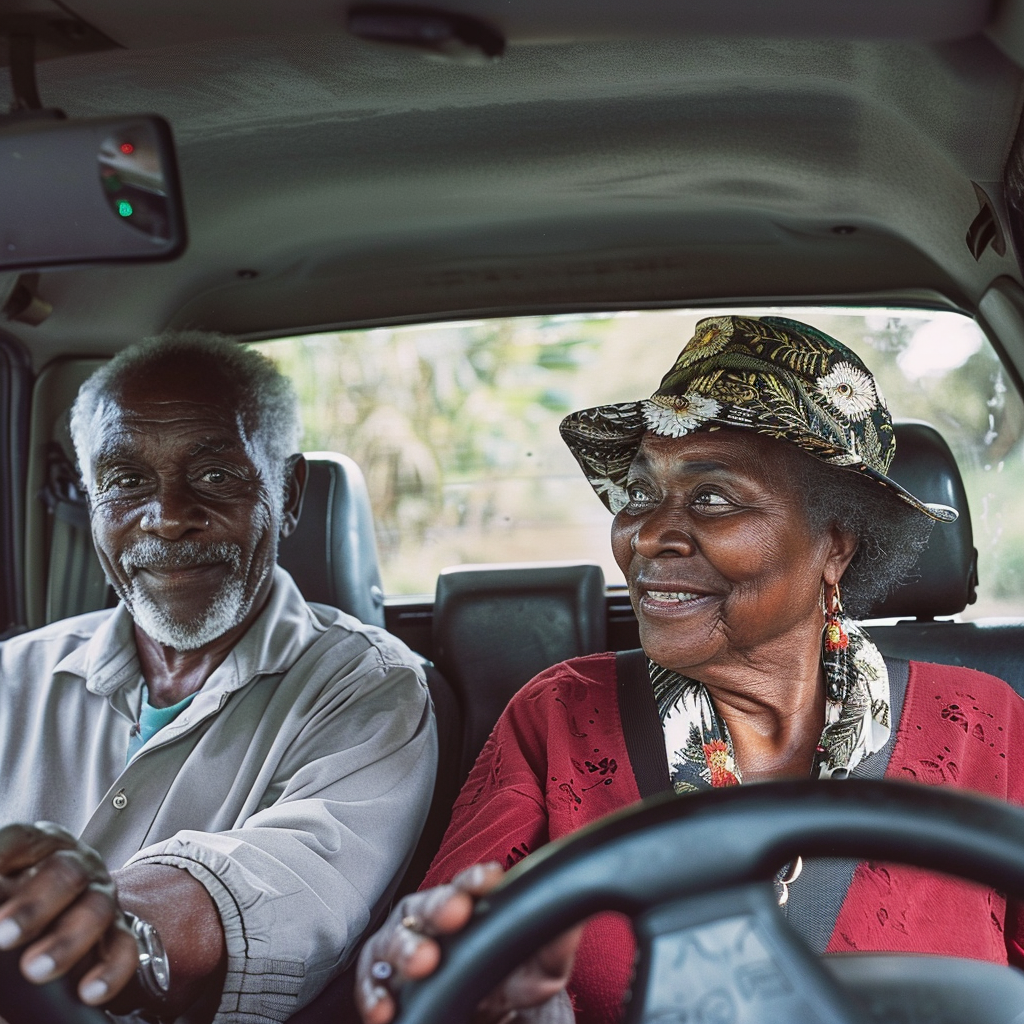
(698,745)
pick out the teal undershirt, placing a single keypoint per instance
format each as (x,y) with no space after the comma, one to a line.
(152,720)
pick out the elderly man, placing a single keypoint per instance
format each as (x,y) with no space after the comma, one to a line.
(237,777)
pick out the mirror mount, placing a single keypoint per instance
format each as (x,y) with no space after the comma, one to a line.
(35,36)
(22,50)
(23,302)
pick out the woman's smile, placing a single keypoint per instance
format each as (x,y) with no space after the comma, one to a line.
(672,602)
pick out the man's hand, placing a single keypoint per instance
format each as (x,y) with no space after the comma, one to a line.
(403,950)
(57,896)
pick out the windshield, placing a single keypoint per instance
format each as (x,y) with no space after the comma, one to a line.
(456,426)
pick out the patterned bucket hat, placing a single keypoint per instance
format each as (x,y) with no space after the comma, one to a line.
(768,374)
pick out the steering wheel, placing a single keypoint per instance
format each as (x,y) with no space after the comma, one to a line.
(674,863)
(21,1002)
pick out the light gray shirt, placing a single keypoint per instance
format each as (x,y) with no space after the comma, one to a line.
(293,788)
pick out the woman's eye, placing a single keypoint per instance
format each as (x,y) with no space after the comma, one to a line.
(711,499)
(638,495)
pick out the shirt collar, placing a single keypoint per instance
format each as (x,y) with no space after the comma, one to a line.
(109,662)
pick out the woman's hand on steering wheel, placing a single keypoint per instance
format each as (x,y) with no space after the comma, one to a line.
(57,896)
(404,950)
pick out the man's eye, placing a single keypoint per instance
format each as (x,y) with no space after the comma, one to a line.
(126,481)
(214,476)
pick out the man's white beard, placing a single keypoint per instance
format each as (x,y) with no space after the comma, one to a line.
(229,605)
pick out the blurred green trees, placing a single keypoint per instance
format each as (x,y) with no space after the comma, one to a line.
(456,426)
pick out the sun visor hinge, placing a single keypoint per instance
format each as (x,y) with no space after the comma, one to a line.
(24,304)
(985,230)
(436,33)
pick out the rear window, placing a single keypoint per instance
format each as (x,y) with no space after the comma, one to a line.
(456,426)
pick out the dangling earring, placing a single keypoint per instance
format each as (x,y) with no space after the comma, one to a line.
(835,636)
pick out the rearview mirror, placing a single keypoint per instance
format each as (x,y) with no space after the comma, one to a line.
(88,191)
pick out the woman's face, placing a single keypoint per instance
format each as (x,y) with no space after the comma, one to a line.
(720,561)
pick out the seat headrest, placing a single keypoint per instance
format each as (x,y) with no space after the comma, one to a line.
(332,554)
(497,626)
(945,579)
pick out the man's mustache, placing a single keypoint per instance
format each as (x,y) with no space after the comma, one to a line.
(154,553)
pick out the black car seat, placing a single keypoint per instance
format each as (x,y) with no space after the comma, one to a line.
(497,626)
(946,576)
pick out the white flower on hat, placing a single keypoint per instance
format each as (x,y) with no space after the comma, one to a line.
(677,415)
(618,499)
(849,390)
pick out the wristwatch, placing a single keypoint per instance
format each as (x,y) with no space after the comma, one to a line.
(154,970)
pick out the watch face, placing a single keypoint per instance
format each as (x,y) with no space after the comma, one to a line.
(158,960)
(154,971)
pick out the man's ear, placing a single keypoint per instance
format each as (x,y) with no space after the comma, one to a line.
(844,547)
(295,472)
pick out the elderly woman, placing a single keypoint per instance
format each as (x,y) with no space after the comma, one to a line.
(753,518)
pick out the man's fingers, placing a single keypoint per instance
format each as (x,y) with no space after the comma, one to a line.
(70,937)
(58,897)
(21,846)
(119,960)
(47,890)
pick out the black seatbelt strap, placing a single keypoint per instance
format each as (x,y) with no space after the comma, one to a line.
(817,896)
(641,724)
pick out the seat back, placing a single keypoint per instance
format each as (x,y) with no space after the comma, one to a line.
(332,554)
(497,626)
(946,577)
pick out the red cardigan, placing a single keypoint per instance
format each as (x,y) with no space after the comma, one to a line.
(557,760)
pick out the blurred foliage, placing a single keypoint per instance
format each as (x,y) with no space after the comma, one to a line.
(456,426)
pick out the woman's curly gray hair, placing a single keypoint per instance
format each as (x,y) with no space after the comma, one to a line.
(270,411)
(891,534)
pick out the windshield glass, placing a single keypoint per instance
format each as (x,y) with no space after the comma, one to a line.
(456,426)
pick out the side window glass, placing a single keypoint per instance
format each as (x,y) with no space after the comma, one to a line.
(456,426)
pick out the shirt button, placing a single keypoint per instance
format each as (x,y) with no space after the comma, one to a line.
(120,801)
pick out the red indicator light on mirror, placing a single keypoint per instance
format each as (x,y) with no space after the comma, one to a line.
(127,148)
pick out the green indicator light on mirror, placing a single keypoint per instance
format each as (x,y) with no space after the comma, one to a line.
(124,208)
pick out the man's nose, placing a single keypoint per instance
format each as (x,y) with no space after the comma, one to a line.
(173,512)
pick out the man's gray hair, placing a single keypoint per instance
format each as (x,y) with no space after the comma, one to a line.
(271,411)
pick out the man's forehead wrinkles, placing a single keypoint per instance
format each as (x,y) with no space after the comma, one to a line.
(124,442)
(215,445)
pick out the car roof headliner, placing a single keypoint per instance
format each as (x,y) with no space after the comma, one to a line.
(646,159)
